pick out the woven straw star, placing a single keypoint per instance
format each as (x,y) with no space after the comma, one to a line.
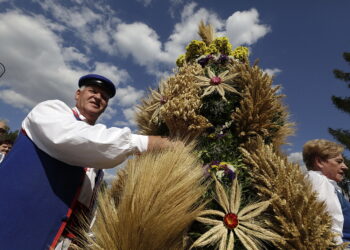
(218,83)
(234,221)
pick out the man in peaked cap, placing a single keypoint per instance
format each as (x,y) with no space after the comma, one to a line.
(55,166)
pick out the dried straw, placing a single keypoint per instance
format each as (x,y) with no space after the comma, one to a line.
(261,111)
(296,215)
(158,203)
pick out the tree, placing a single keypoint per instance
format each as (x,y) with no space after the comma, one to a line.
(343,103)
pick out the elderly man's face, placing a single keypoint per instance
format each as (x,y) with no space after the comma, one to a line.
(5,147)
(91,102)
(2,128)
(334,168)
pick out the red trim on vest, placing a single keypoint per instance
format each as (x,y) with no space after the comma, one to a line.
(69,213)
(72,206)
(23,132)
(71,235)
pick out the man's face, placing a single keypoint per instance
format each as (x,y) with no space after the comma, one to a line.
(334,168)
(91,102)
(3,128)
(5,147)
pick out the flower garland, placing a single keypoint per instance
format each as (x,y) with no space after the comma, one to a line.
(219,50)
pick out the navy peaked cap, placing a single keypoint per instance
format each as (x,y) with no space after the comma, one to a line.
(101,81)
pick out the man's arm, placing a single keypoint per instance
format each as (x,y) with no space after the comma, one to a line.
(158,142)
(53,128)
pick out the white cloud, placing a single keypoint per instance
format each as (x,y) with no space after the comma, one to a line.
(113,36)
(129,96)
(93,26)
(140,41)
(15,99)
(112,72)
(72,17)
(174,4)
(151,53)
(38,67)
(187,29)
(108,114)
(32,49)
(272,72)
(297,157)
(72,54)
(102,39)
(78,1)
(129,114)
(145,2)
(243,27)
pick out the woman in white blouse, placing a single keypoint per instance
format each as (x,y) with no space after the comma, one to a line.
(326,167)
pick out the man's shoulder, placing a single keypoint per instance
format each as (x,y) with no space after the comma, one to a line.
(49,108)
(52,104)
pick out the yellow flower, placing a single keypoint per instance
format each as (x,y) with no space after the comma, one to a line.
(241,53)
(180,60)
(214,166)
(234,221)
(217,83)
(223,45)
(211,49)
(195,49)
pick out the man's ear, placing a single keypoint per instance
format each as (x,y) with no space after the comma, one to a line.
(77,94)
(318,163)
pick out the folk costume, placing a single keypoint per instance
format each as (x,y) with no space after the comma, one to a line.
(54,165)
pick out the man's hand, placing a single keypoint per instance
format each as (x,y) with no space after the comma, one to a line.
(158,142)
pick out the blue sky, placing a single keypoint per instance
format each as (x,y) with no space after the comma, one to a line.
(47,45)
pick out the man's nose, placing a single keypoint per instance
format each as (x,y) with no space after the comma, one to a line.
(344,166)
(98,95)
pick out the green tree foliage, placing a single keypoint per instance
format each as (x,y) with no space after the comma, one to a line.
(9,136)
(343,103)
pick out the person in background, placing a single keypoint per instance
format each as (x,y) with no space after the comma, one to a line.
(3,149)
(53,171)
(326,166)
(5,142)
(5,145)
(3,127)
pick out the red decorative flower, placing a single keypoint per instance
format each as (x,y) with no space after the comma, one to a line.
(221,83)
(231,220)
(215,80)
(163,100)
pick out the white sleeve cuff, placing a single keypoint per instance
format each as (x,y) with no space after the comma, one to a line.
(140,142)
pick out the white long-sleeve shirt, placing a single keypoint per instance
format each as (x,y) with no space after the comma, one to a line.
(53,128)
(326,190)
